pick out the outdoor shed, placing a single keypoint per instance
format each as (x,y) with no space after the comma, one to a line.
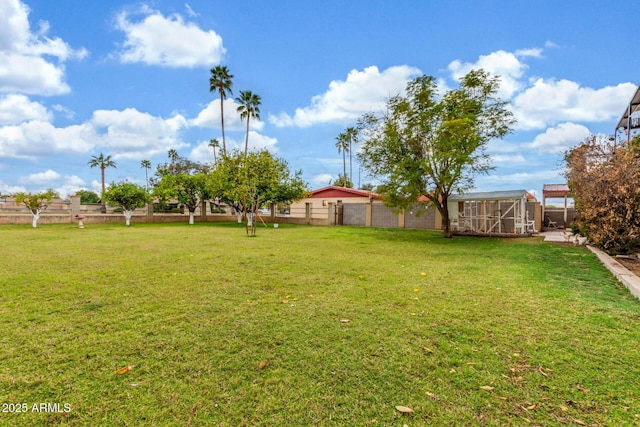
(494,212)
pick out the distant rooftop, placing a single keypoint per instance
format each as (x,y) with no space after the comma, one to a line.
(555,190)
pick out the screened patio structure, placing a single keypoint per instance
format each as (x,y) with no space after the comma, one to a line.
(629,123)
(556,191)
(494,212)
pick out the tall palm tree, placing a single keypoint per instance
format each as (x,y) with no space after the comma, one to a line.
(342,144)
(352,136)
(102,162)
(221,81)
(249,107)
(146,164)
(173,155)
(214,143)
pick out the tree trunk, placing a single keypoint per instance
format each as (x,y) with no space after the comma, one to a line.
(344,169)
(127,217)
(443,208)
(224,144)
(104,205)
(34,221)
(246,139)
(190,218)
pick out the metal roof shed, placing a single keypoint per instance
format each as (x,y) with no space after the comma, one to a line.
(493,212)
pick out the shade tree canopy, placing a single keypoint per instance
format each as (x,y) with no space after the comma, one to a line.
(433,145)
(127,196)
(603,178)
(36,203)
(253,180)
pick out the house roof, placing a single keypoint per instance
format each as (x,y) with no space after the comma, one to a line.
(491,195)
(555,190)
(634,108)
(341,193)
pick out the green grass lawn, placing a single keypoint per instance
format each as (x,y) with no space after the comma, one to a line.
(306,326)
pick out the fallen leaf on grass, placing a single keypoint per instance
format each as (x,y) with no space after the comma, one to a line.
(452,371)
(427,350)
(532,407)
(563,408)
(284,301)
(345,320)
(577,421)
(262,365)
(487,388)
(124,370)
(542,372)
(433,396)
(404,409)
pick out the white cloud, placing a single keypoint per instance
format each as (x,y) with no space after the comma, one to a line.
(209,117)
(507,65)
(36,139)
(167,41)
(345,101)
(517,180)
(560,138)
(41,178)
(23,67)
(548,102)
(202,153)
(16,109)
(257,141)
(70,185)
(322,180)
(133,134)
(190,11)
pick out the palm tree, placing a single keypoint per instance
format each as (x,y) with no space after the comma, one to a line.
(352,136)
(221,82)
(342,144)
(214,143)
(102,162)
(146,164)
(249,107)
(173,155)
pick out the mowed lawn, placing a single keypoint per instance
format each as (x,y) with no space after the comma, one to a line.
(306,326)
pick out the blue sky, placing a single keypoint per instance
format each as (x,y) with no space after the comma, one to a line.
(130,79)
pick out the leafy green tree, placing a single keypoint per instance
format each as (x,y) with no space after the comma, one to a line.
(127,196)
(87,196)
(343,181)
(603,178)
(36,203)
(146,164)
(102,162)
(189,190)
(177,165)
(429,145)
(254,180)
(367,186)
(249,108)
(221,81)
(342,144)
